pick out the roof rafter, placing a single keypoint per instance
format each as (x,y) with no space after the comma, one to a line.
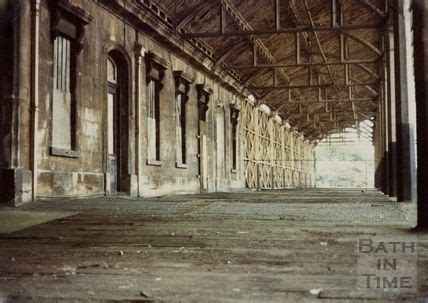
(309,86)
(297,29)
(316,83)
(258,44)
(375,10)
(192,12)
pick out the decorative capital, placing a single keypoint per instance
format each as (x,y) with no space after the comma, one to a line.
(235,103)
(234,113)
(183,77)
(182,81)
(204,89)
(155,67)
(204,93)
(156,61)
(139,50)
(74,15)
(219,103)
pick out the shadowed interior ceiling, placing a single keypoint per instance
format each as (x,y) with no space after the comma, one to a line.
(319,64)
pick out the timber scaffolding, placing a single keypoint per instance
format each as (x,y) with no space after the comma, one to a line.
(275,156)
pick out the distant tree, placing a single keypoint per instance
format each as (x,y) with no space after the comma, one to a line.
(344,165)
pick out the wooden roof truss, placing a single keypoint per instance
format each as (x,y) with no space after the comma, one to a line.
(317,63)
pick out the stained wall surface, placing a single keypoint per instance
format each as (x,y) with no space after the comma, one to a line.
(84,169)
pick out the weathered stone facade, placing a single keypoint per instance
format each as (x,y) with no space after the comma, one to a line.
(60,91)
(83,170)
(15,90)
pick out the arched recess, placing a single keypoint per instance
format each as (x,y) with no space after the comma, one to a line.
(117,123)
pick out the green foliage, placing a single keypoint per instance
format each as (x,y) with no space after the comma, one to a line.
(345,166)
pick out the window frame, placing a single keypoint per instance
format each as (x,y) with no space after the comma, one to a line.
(182,87)
(155,69)
(68,21)
(68,88)
(234,129)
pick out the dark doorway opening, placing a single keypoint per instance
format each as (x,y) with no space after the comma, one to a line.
(117,124)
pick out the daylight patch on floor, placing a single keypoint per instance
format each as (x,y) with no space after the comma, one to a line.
(12,220)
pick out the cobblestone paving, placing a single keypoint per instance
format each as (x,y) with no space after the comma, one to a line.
(348,206)
(332,212)
(114,205)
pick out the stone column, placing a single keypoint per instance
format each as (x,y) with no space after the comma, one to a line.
(406,115)
(392,118)
(140,91)
(421,75)
(383,135)
(16,175)
(378,153)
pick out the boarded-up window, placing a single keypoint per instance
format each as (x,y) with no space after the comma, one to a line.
(156,67)
(62,127)
(220,144)
(180,105)
(67,32)
(153,120)
(234,118)
(182,86)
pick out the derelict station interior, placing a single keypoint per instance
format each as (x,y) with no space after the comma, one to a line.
(213,151)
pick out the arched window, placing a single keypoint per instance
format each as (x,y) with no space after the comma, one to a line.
(111,71)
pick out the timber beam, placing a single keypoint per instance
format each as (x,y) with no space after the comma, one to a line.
(308,86)
(372,100)
(298,29)
(375,10)
(307,64)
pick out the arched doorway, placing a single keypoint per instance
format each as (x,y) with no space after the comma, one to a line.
(118,180)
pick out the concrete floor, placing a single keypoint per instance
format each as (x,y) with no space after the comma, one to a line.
(275,246)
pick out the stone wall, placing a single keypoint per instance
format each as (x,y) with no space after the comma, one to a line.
(15,89)
(5,76)
(133,37)
(83,171)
